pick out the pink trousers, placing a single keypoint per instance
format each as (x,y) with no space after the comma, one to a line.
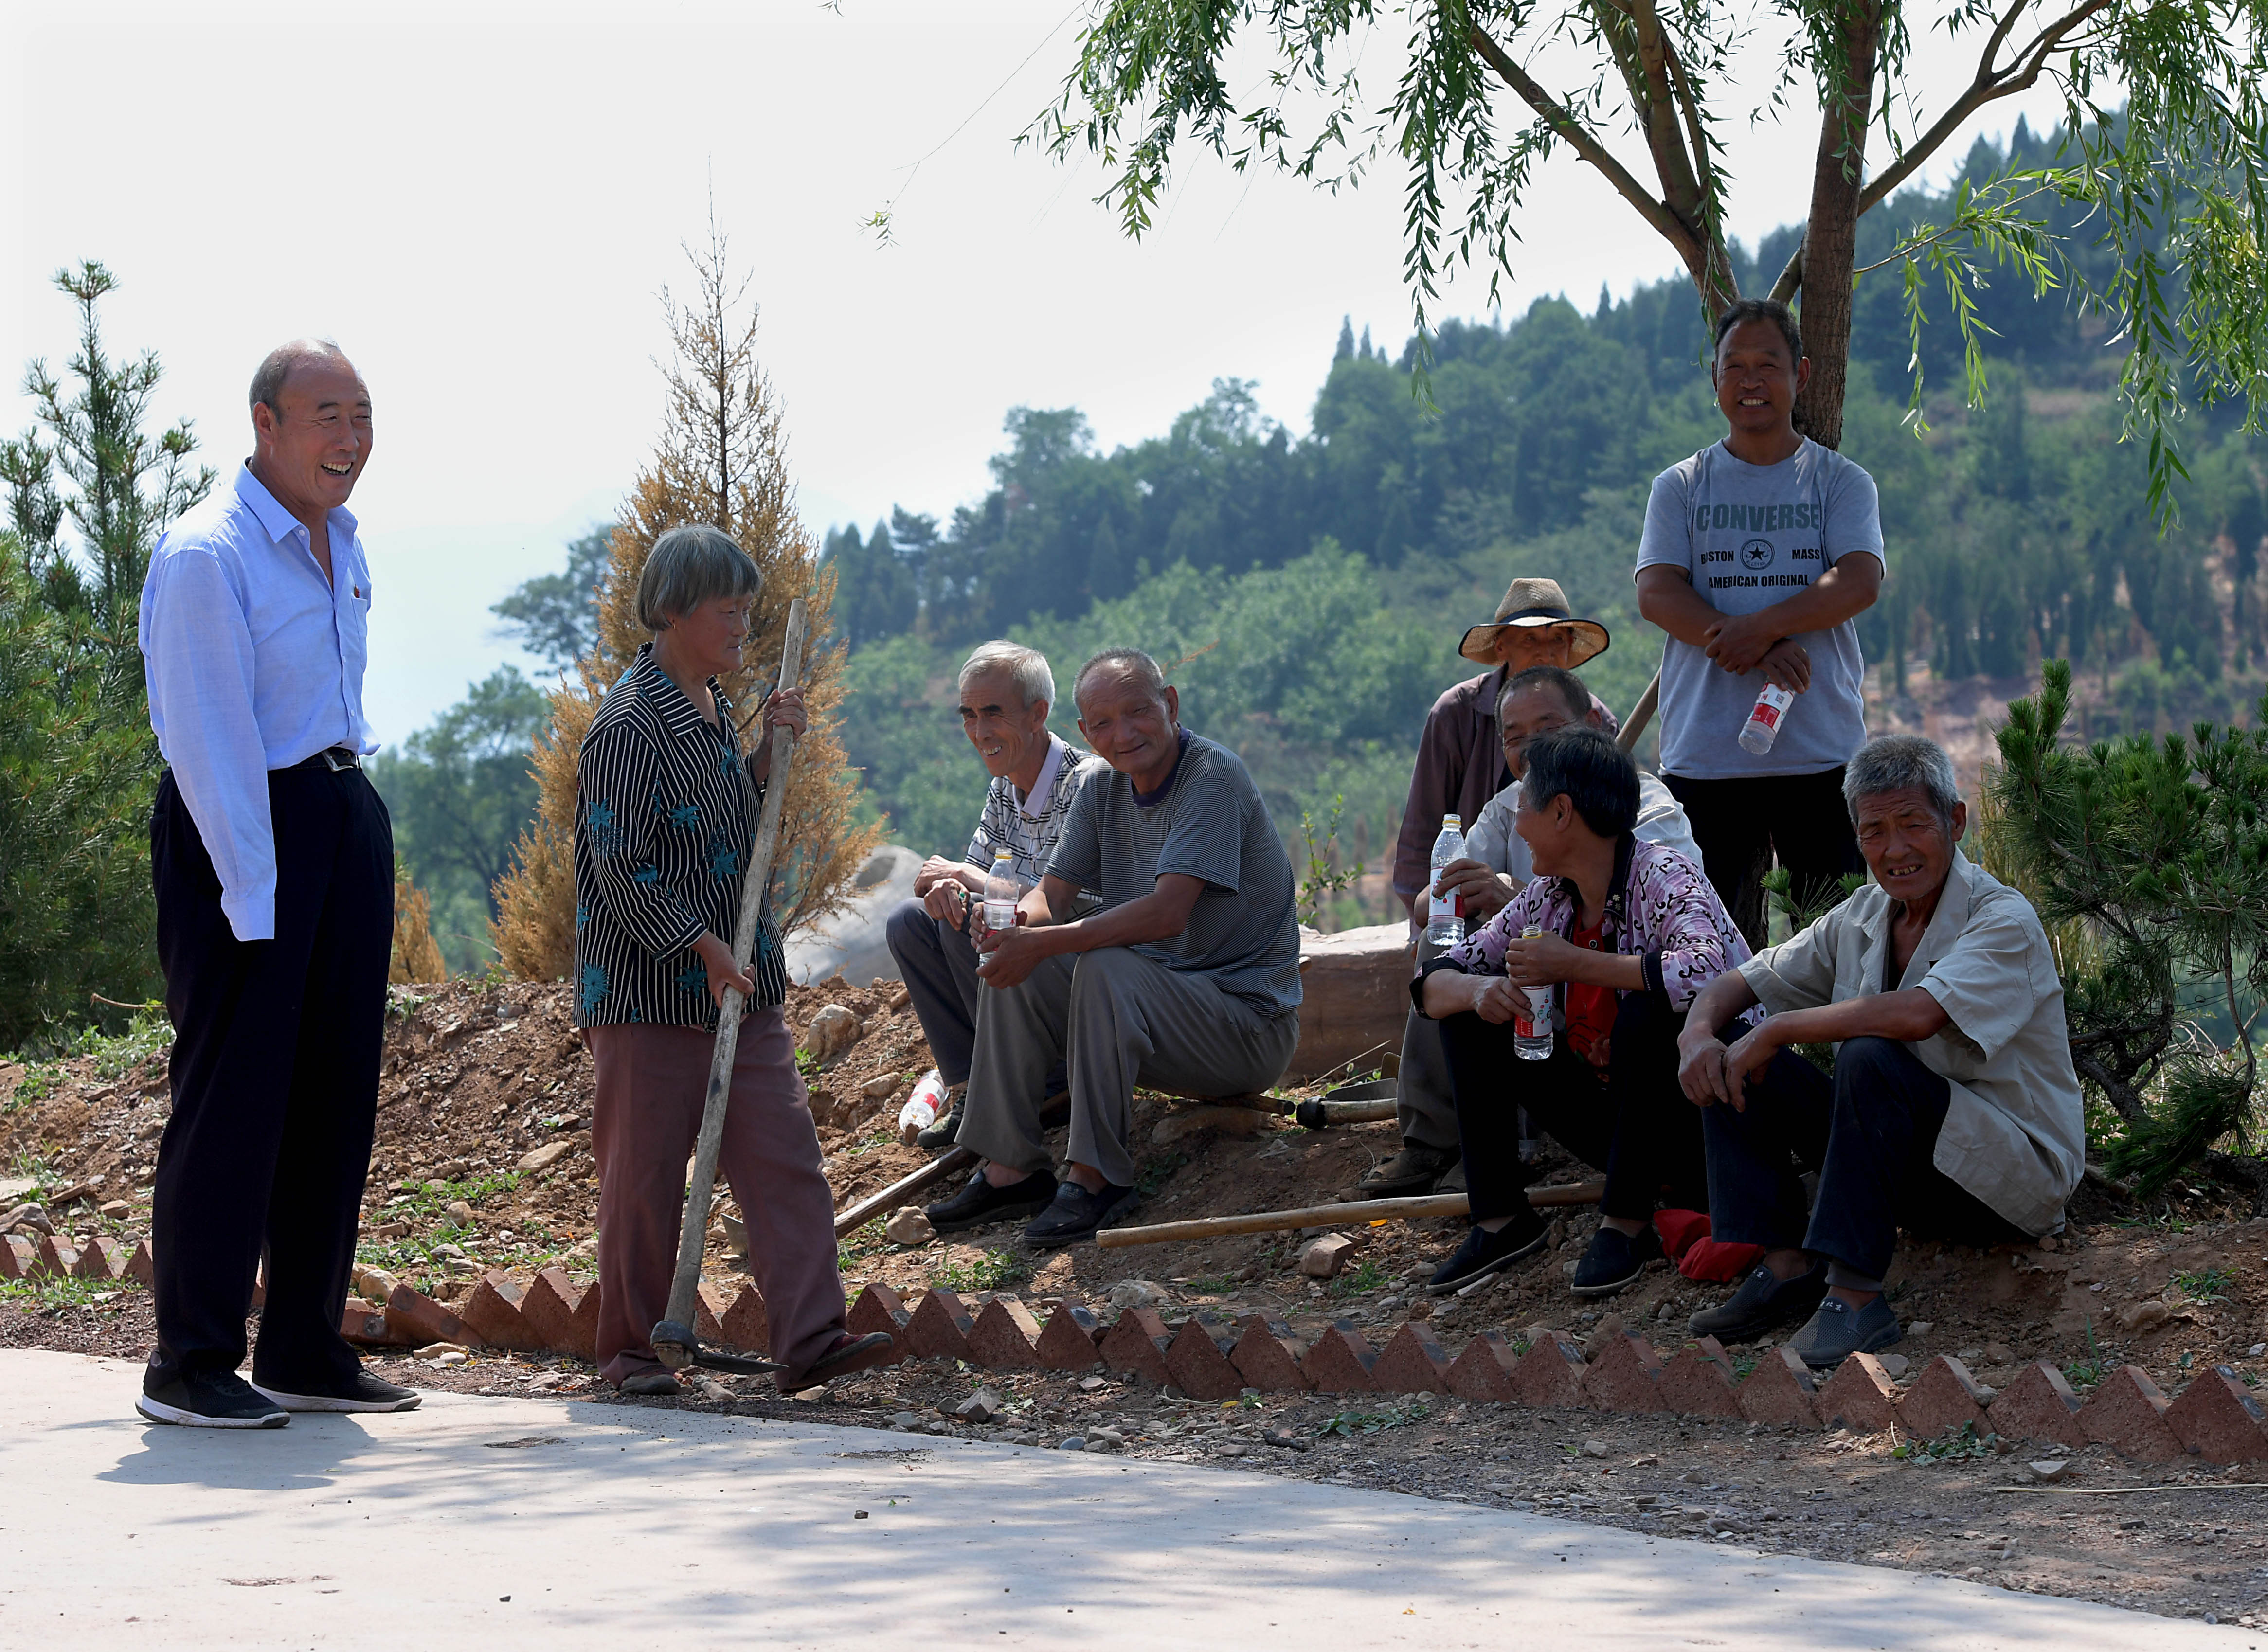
(651,1083)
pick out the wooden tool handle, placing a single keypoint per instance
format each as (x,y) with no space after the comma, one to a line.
(1362,1210)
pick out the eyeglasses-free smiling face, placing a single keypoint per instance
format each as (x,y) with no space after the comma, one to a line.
(312,447)
(999,724)
(1524,716)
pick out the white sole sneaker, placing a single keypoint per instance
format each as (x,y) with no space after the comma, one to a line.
(326,1402)
(157,1411)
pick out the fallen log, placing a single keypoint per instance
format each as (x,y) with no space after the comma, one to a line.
(1362,1210)
(902,1190)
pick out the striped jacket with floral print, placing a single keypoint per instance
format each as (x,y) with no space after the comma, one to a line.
(665,820)
(1660,909)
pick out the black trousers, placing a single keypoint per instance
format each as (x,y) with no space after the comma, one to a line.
(1870,1132)
(1638,1127)
(1741,825)
(274,1079)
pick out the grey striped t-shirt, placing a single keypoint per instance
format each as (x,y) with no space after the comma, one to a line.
(1212,825)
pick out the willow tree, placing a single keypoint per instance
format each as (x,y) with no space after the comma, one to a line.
(1641,93)
(721,461)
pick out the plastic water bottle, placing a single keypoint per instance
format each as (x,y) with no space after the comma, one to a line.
(1001,891)
(1531,1033)
(921,1108)
(1763,726)
(1445,914)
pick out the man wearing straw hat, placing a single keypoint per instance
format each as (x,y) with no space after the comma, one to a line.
(1459,767)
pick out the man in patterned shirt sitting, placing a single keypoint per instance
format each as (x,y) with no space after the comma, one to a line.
(1006,691)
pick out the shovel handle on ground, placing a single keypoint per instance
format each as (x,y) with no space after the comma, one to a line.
(1363,1210)
(674,1343)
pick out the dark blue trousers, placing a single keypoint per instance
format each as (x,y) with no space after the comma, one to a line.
(274,1079)
(1870,1132)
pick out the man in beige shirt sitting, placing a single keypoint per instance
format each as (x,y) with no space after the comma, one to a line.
(1954,1111)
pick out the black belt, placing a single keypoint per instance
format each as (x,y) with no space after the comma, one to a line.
(334,758)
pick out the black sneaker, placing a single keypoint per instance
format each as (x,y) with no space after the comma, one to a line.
(208,1399)
(1483,1253)
(981,1202)
(1615,1260)
(360,1393)
(941,1133)
(1836,1330)
(1076,1214)
(1761,1304)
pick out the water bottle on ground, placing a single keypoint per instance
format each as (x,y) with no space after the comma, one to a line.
(1445,914)
(1531,1033)
(921,1109)
(1001,891)
(1763,726)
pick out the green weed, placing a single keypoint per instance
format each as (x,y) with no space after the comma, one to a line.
(46,1291)
(805,1063)
(2089,1372)
(857,1244)
(2206,1285)
(1220,1287)
(1959,1445)
(1348,1423)
(1158,1172)
(1366,1277)
(998,1270)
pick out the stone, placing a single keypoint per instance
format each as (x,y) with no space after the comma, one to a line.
(1698,1381)
(2127,1412)
(1602,1337)
(1897,1365)
(1942,1400)
(1354,990)
(102,1258)
(442,1350)
(376,1284)
(747,1328)
(2039,1405)
(2217,1419)
(28,1218)
(550,1309)
(142,1267)
(910,1226)
(116,1209)
(1594,1448)
(1483,1372)
(1198,1361)
(1066,1343)
(980,1407)
(1136,1346)
(1324,1258)
(15,1189)
(1266,1355)
(17,1258)
(492,1312)
(1780,1389)
(1411,1363)
(460,1213)
(2051,1472)
(881,1086)
(1137,1293)
(1625,1377)
(1550,1373)
(1859,1397)
(940,1327)
(831,1033)
(1339,1361)
(2140,1316)
(544,1157)
(416,1318)
(1239,1123)
(879,1308)
(710,1304)
(56,1257)
(1006,1337)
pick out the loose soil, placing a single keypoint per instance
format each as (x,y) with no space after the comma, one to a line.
(477,1078)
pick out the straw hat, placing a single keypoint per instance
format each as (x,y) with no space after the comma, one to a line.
(1530,604)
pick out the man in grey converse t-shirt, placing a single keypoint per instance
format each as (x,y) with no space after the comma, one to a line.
(1186,978)
(1759,552)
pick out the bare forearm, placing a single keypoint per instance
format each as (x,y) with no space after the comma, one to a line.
(1719,1001)
(1908,1017)
(1666,599)
(1625,972)
(1452,993)
(1843,592)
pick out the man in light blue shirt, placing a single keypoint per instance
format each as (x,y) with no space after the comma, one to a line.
(274,865)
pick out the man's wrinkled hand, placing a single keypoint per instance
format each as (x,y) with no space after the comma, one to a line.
(1788,665)
(1701,1068)
(1010,955)
(1747,1056)
(1485,892)
(935,870)
(1739,642)
(1541,960)
(943,901)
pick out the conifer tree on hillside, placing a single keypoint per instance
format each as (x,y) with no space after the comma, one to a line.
(721,459)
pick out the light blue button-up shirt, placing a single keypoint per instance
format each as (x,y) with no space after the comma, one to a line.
(254,663)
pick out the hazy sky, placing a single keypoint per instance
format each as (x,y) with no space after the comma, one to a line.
(481,202)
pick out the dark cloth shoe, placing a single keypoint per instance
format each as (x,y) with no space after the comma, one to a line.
(1483,1253)
(1412,1171)
(939,1135)
(1762,1304)
(1615,1260)
(208,1399)
(1836,1330)
(1076,1214)
(845,1354)
(658,1381)
(360,1393)
(981,1202)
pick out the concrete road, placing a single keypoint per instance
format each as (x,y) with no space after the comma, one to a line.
(507,1524)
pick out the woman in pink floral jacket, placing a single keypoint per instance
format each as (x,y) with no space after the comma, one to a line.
(1621,935)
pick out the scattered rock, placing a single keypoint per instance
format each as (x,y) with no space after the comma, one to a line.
(1998,1353)
(909,1226)
(2144,1315)
(460,1213)
(1285,1438)
(14,1188)
(1594,1448)
(117,1209)
(1920,1328)
(1137,1293)
(831,1033)
(436,1350)
(550,1153)
(1089,1384)
(905,1419)
(1104,1439)
(980,1407)
(1896,1364)
(881,1086)
(34,1217)
(1229,1448)
(1076,1443)
(2051,1472)
(1324,1258)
